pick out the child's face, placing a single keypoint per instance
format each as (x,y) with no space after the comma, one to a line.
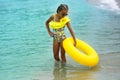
(64,13)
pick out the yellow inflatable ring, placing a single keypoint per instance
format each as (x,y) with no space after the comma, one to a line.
(83,53)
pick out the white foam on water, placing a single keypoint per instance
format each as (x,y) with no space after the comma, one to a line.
(109,5)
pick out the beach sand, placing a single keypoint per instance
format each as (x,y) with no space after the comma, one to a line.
(107,69)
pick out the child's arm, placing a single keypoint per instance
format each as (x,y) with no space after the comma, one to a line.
(47,26)
(72,33)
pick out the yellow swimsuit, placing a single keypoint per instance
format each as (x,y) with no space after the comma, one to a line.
(56,25)
(58,28)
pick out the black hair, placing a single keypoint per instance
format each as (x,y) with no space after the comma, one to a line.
(62,7)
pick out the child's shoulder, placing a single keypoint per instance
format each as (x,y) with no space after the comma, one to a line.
(53,15)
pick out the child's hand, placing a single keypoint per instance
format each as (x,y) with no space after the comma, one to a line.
(74,43)
(51,34)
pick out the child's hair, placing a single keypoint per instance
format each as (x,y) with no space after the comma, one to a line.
(62,7)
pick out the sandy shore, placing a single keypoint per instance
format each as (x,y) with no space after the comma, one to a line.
(107,69)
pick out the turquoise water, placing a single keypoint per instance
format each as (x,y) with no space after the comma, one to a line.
(26,47)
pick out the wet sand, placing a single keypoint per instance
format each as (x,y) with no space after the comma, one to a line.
(107,69)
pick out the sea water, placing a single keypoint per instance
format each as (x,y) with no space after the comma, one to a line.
(25,46)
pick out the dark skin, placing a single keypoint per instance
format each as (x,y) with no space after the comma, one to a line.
(58,46)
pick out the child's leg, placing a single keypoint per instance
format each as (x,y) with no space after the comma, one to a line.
(56,46)
(63,57)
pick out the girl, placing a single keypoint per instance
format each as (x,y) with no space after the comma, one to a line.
(57,22)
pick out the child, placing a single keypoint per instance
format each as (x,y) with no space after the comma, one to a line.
(57,22)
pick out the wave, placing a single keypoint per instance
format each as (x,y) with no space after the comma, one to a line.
(111,5)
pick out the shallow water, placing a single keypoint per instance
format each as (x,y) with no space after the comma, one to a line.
(26,48)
